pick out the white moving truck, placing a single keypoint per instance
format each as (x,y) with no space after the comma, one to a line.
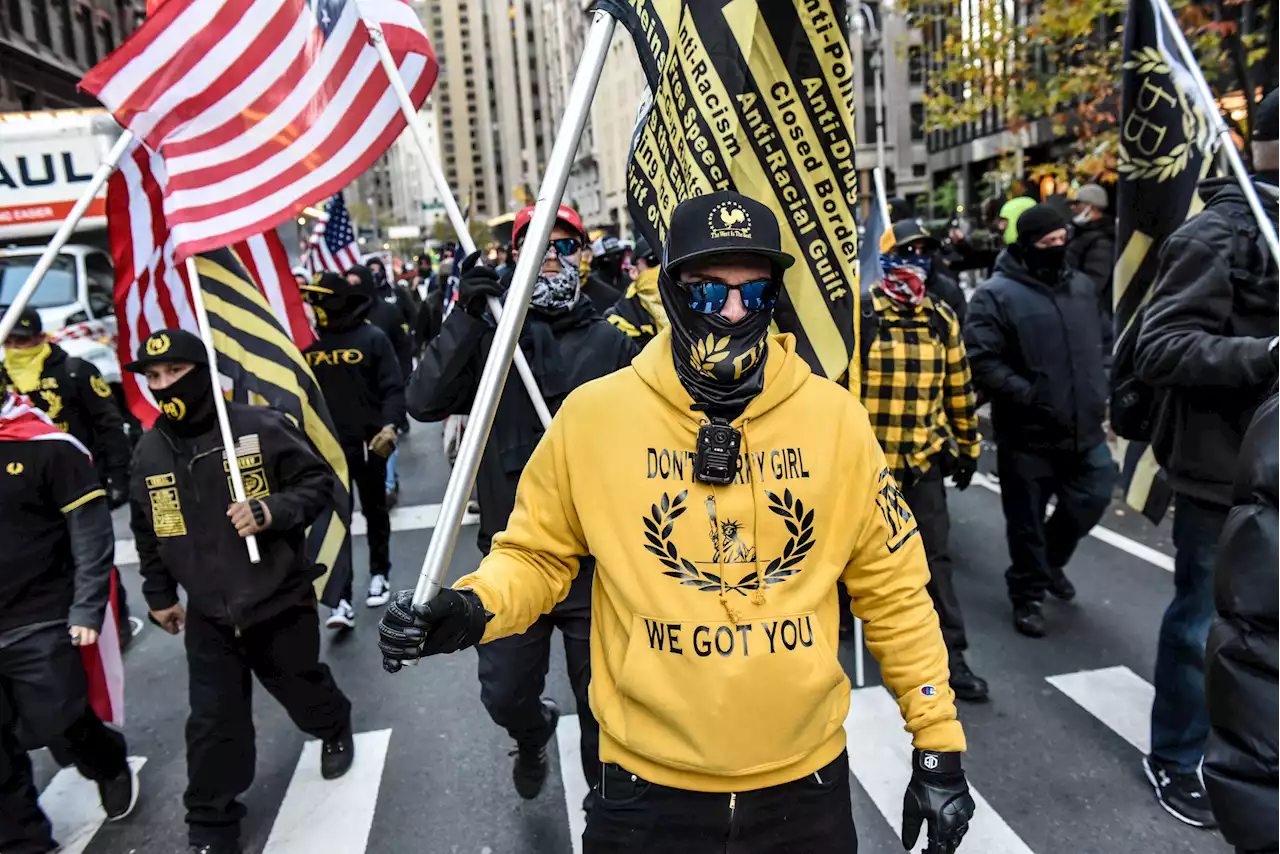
(46,161)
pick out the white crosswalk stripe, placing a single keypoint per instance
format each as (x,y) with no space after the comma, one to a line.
(575,785)
(1117,696)
(72,804)
(880,758)
(331,815)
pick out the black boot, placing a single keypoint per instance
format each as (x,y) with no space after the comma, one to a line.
(1027,620)
(337,754)
(1060,586)
(968,685)
(530,769)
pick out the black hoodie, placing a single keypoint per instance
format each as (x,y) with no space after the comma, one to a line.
(387,316)
(357,370)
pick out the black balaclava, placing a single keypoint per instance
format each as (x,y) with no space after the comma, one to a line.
(187,404)
(1045,263)
(720,364)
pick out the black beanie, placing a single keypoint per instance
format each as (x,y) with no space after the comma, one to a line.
(1037,222)
(1266,118)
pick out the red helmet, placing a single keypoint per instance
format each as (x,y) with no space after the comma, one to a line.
(566,215)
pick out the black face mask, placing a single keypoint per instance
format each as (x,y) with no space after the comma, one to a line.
(720,364)
(1045,263)
(188,403)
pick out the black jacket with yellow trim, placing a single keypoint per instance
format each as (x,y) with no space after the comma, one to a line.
(179,496)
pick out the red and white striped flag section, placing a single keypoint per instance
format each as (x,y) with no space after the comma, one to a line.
(20,421)
(151,291)
(333,247)
(260,107)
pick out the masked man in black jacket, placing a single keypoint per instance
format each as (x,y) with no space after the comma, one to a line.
(1035,350)
(241,618)
(567,344)
(1241,660)
(1208,347)
(358,372)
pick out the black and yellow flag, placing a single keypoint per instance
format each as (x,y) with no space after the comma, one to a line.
(756,97)
(1164,141)
(266,368)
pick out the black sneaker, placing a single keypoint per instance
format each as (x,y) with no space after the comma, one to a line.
(529,771)
(217,848)
(119,794)
(393,497)
(968,685)
(1180,792)
(1060,586)
(337,754)
(1027,620)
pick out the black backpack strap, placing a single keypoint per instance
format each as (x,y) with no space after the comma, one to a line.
(868,325)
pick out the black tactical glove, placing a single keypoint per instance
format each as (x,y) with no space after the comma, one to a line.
(117,494)
(454,620)
(962,471)
(478,283)
(939,795)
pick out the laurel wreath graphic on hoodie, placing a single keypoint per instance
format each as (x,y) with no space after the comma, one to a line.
(660,523)
(707,352)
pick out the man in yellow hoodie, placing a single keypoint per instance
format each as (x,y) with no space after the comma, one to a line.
(724,491)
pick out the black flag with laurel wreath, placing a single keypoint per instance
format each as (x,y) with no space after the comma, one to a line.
(1164,140)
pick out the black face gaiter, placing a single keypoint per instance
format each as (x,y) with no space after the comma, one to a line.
(720,364)
(188,403)
(1045,263)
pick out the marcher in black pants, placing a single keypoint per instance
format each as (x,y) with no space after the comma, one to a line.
(55,579)
(357,368)
(1036,349)
(567,343)
(241,618)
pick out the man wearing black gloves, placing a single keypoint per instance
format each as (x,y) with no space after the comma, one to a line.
(1208,347)
(55,580)
(719,698)
(356,368)
(1035,348)
(241,618)
(567,344)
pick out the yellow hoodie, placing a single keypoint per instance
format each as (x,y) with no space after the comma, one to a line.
(714,609)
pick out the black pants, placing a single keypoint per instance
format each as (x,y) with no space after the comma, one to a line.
(812,814)
(369,475)
(44,701)
(927,498)
(283,653)
(1082,484)
(513,672)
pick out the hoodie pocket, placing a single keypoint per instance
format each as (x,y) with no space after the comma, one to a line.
(730,699)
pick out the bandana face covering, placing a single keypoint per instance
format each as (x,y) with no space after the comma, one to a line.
(560,291)
(188,402)
(720,364)
(903,282)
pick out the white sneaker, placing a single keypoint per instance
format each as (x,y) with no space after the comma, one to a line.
(342,617)
(379,592)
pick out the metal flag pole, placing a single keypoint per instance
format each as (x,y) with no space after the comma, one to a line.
(507,335)
(219,402)
(42,266)
(1221,132)
(450,204)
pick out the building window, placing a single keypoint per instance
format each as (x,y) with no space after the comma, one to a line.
(63,8)
(89,37)
(17,23)
(869,129)
(919,170)
(915,65)
(124,16)
(917,121)
(44,30)
(108,35)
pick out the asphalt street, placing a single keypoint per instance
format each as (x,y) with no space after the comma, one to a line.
(1054,757)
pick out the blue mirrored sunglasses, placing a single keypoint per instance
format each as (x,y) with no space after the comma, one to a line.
(567,245)
(710,297)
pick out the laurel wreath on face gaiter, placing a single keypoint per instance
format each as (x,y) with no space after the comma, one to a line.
(707,352)
(660,523)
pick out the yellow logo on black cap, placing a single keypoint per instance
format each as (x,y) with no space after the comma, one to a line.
(729,219)
(157,345)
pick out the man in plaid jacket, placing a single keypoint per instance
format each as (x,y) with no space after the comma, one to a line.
(919,394)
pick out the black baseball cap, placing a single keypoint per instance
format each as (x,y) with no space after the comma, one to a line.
(908,231)
(1266,119)
(718,223)
(28,325)
(168,345)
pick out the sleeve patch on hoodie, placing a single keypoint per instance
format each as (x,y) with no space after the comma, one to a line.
(899,521)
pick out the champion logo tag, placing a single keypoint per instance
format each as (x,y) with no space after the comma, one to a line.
(928,690)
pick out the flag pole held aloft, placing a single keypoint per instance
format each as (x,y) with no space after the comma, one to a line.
(451,206)
(505,339)
(219,402)
(63,234)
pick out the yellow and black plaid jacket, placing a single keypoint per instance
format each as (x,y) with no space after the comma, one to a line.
(917,389)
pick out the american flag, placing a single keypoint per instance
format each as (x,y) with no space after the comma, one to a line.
(333,247)
(260,108)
